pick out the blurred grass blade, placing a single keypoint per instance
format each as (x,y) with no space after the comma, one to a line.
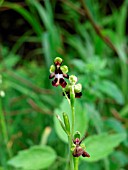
(43,15)
(26,14)
(1,2)
(121,24)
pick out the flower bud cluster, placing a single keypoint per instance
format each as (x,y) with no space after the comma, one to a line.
(77,87)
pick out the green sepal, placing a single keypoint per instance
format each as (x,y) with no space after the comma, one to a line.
(58,59)
(64,69)
(52,69)
(77,135)
(66,122)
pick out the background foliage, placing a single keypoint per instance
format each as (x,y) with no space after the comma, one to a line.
(92,38)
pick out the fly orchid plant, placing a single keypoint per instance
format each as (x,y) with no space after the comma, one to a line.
(71,90)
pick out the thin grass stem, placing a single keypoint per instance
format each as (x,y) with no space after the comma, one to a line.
(4,129)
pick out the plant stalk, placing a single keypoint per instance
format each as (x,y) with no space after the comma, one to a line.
(72,101)
(4,128)
(73,118)
(70,154)
(76,163)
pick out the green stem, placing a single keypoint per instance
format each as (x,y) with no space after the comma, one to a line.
(76,163)
(4,128)
(106,164)
(73,118)
(66,96)
(72,99)
(70,153)
(71,103)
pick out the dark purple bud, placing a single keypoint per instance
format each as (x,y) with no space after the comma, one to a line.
(78,95)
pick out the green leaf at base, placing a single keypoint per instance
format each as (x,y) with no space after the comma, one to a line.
(100,146)
(35,158)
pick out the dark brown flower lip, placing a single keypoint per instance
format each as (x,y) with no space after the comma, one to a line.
(79,151)
(60,81)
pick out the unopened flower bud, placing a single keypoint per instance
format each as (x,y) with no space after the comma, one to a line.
(73,79)
(78,88)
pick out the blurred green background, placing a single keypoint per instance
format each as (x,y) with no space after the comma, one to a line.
(92,38)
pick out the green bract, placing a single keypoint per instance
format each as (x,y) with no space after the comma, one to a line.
(58,59)
(66,122)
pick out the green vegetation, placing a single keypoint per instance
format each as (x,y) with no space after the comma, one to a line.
(92,38)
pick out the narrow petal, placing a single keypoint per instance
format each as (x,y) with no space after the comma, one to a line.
(51,75)
(85,154)
(66,76)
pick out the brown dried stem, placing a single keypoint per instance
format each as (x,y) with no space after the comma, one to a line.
(97,28)
(86,12)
